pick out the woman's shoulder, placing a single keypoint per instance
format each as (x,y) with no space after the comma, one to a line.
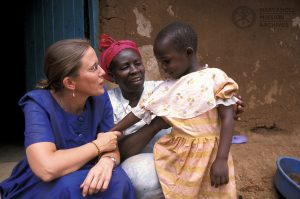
(38,92)
(114,92)
(115,96)
(39,99)
(38,95)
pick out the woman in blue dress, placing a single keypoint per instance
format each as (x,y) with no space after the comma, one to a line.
(69,153)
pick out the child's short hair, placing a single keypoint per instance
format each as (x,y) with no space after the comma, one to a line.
(181,34)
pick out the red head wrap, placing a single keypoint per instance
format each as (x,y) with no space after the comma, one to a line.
(110,48)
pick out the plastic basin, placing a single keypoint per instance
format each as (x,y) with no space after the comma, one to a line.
(283,182)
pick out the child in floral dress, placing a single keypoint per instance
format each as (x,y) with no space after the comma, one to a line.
(194,160)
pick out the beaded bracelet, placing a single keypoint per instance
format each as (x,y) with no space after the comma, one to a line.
(99,152)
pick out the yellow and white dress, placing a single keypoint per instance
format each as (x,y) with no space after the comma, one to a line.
(183,158)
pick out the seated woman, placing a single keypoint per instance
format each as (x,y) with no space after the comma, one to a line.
(123,65)
(67,153)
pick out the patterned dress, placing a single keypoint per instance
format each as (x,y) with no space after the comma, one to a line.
(183,158)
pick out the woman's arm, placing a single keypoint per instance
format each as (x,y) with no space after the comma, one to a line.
(134,143)
(49,163)
(219,168)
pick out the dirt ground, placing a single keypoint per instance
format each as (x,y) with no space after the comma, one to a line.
(255,161)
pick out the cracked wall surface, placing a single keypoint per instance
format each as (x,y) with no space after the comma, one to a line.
(256,42)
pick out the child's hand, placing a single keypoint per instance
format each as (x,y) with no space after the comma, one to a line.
(239,107)
(219,172)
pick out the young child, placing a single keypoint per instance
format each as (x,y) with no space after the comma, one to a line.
(194,160)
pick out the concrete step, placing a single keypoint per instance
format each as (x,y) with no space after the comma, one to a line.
(10,155)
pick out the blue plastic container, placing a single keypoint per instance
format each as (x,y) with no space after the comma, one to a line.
(285,185)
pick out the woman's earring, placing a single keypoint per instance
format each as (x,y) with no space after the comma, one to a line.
(73,94)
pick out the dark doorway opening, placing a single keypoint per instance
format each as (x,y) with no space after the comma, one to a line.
(13,76)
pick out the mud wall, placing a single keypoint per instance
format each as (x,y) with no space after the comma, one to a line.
(256,42)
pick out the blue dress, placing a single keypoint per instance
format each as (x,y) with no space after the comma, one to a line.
(46,121)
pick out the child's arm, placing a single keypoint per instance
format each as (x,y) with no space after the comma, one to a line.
(219,168)
(129,120)
(135,142)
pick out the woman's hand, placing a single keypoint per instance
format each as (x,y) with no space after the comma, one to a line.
(98,177)
(107,141)
(219,172)
(239,108)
